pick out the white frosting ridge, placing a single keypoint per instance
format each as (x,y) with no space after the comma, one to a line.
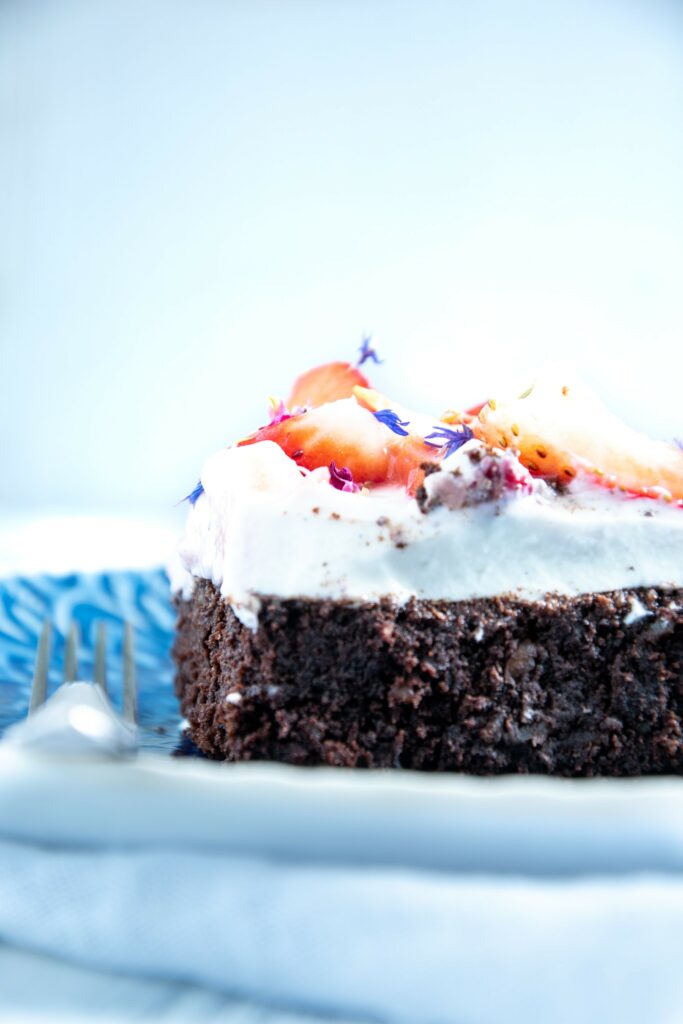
(262,527)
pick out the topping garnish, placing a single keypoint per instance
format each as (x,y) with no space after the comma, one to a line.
(341,477)
(491,477)
(327,383)
(561,432)
(473,410)
(195,494)
(333,419)
(277,411)
(349,435)
(390,419)
(341,432)
(366,351)
(449,440)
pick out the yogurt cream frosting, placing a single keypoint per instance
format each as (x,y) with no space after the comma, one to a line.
(264,527)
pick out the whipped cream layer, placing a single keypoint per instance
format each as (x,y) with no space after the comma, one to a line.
(261,527)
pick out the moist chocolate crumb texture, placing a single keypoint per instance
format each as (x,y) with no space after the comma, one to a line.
(491,590)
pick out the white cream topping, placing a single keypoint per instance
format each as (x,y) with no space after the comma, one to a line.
(262,527)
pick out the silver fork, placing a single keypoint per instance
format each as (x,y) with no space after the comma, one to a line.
(79,717)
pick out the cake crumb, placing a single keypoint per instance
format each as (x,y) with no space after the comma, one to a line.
(637,612)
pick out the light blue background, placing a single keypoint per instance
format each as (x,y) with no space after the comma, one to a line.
(199,199)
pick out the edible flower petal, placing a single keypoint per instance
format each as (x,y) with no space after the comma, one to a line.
(449,440)
(342,478)
(390,419)
(277,411)
(195,494)
(366,351)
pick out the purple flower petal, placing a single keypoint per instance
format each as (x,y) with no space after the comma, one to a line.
(342,478)
(278,412)
(450,440)
(366,351)
(390,419)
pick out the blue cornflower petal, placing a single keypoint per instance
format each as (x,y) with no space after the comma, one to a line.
(366,351)
(450,440)
(196,493)
(390,419)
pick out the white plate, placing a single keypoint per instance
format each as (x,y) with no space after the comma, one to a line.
(509,824)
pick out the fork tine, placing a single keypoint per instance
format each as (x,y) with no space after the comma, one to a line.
(100,671)
(39,687)
(71,654)
(130,696)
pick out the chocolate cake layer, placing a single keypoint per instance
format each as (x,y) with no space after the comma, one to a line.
(591,685)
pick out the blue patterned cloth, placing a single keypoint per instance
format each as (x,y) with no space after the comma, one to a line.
(141,598)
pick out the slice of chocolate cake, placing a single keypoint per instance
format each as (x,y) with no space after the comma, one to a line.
(492,591)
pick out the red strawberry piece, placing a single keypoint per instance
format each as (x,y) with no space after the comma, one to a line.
(328,383)
(349,435)
(562,430)
(340,432)
(406,457)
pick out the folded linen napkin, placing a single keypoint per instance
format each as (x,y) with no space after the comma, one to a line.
(381,943)
(36,989)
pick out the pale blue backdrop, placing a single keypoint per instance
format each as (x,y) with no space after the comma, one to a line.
(198,199)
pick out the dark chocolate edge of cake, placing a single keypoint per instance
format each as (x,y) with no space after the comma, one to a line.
(567,686)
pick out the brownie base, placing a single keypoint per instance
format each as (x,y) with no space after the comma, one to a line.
(565,686)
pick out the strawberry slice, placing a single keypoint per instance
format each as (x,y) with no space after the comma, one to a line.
(340,432)
(350,436)
(407,456)
(561,430)
(328,383)
(371,399)
(408,453)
